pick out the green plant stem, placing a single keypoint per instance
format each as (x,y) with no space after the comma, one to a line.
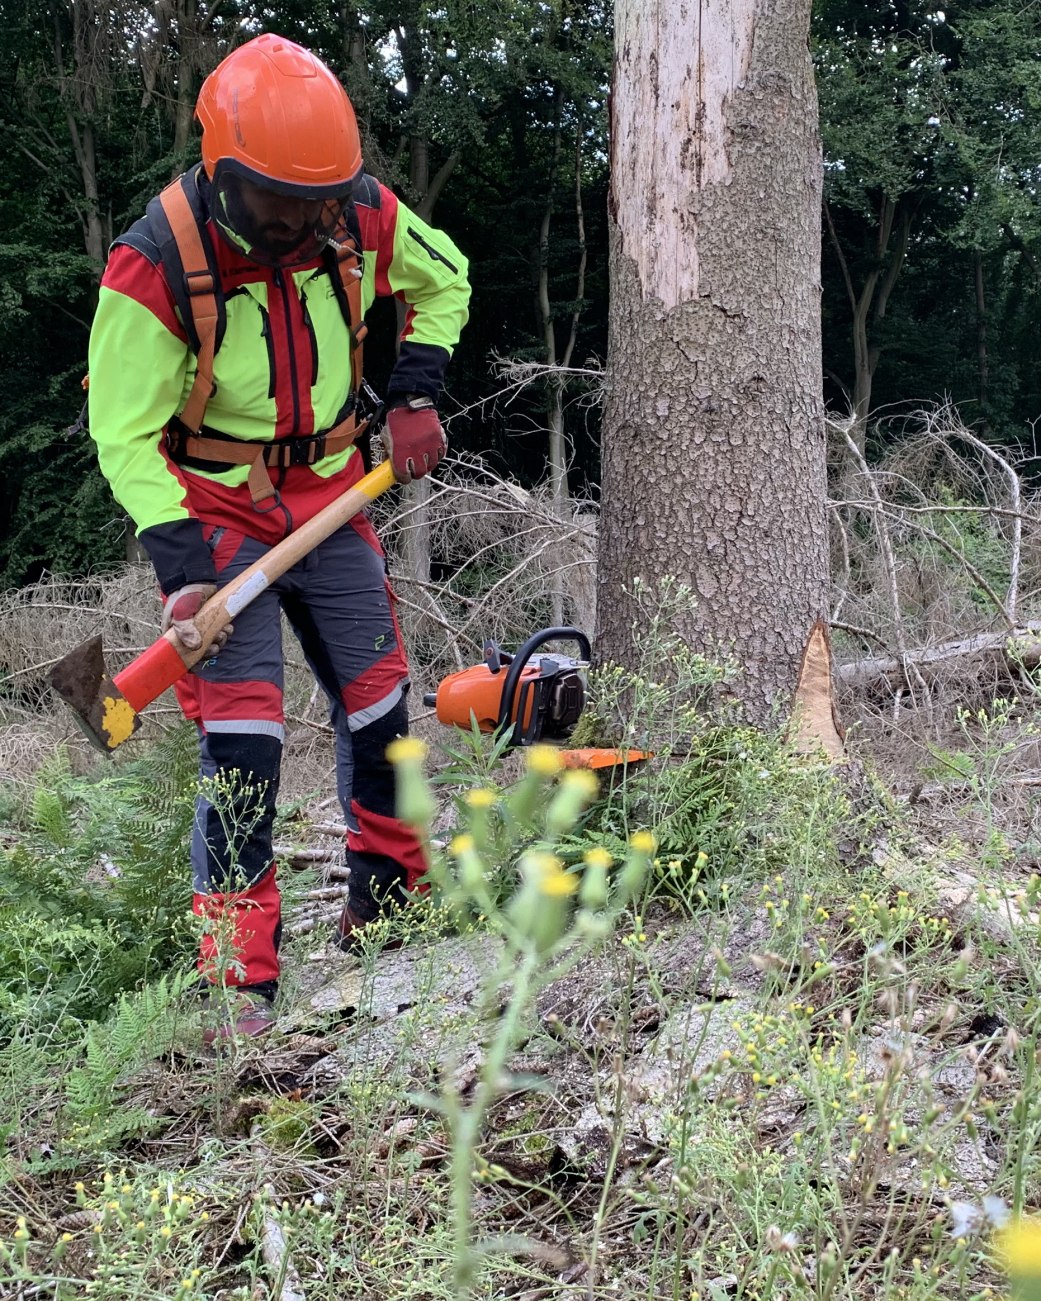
(466,1123)
(1028,1091)
(681,1206)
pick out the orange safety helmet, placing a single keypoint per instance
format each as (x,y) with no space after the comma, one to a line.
(280,145)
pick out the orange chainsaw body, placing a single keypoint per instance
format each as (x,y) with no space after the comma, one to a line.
(527,698)
(477,691)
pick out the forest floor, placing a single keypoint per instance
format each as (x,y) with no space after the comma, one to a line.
(809,1073)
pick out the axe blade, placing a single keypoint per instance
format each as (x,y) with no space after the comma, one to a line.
(105,715)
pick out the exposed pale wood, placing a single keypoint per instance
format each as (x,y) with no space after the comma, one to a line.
(337,829)
(815,718)
(677,70)
(285,1281)
(307,855)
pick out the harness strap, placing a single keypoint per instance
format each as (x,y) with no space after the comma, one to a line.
(202,295)
(199,290)
(183,444)
(348,283)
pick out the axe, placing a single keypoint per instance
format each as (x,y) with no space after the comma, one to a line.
(109,709)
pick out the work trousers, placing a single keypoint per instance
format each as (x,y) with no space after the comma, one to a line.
(341,608)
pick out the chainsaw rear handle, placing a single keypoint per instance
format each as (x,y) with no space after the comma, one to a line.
(517,664)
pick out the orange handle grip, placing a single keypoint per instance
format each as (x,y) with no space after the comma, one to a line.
(166,661)
(146,678)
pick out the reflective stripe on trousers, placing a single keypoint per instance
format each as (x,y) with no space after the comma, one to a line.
(340,606)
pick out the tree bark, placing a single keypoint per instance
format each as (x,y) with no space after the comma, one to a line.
(556,455)
(81,94)
(714,443)
(427,189)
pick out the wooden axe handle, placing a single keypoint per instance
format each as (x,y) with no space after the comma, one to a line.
(166,661)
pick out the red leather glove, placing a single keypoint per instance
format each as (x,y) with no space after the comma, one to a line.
(179,614)
(413,438)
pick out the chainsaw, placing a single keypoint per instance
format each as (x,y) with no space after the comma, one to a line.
(518,696)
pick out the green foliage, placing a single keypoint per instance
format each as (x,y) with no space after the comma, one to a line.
(95,887)
(971,534)
(141,1026)
(879,82)
(140,1235)
(288,1125)
(930,130)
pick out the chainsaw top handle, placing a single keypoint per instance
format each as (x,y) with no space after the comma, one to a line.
(518,661)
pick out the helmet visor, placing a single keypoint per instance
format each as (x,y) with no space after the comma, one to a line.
(275,223)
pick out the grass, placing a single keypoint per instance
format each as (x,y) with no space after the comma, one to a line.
(715,1033)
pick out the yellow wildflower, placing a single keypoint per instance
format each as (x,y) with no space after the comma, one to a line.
(582,781)
(407,749)
(553,881)
(544,760)
(597,857)
(1021,1244)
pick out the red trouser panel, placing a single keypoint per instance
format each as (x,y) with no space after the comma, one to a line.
(257,701)
(187,694)
(303,492)
(340,607)
(377,834)
(243,929)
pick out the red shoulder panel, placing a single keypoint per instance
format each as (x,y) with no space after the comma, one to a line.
(130,272)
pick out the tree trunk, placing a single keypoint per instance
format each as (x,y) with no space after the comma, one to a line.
(869,304)
(417,556)
(556,453)
(96,237)
(714,444)
(81,93)
(982,366)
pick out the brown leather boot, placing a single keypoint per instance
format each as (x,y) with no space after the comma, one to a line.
(243,1012)
(349,934)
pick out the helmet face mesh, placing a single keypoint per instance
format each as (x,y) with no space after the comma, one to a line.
(274,224)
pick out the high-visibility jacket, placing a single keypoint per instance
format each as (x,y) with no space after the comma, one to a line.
(282,371)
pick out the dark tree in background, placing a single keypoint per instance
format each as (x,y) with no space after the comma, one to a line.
(494,119)
(932,141)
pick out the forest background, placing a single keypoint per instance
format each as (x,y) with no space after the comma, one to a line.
(492,121)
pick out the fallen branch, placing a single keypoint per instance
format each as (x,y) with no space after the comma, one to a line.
(311,922)
(326,892)
(1007,651)
(291,855)
(330,829)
